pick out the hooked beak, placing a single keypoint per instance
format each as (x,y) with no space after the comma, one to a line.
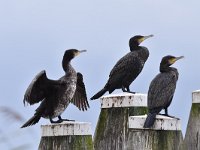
(81,51)
(177,58)
(144,38)
(172,61)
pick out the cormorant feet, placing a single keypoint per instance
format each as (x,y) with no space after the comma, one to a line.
(59,120)
(127,90)
(169,116)
(130,92)
(59,117)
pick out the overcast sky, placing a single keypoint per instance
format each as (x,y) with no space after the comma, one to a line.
(34,35)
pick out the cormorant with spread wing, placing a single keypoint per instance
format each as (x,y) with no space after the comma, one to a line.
(127,68)
(161,89)
(55,95)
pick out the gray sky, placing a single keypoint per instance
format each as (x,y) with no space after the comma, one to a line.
(35,34)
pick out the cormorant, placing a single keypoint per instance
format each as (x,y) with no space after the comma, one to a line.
(161,89)
(55,95)
(127,68)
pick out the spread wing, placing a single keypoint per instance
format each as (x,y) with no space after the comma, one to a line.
(80,97)
(35,91)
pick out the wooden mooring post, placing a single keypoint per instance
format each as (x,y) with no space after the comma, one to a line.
(192,137)
(112,127)
(120,126)
(66,136)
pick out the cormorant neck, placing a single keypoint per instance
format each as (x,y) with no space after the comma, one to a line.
(134,46)
(165,68)
(65,65)
(66,62)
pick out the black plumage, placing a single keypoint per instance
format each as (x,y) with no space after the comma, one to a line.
(127,68)
(161,89)
(55,95)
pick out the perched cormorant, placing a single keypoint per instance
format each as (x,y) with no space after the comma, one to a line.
(55,95)
(127,68)
(161,89)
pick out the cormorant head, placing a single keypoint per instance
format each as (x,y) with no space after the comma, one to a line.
(71,53)
(136,40)
(168,61)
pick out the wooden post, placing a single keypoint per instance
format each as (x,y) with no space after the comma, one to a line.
(192,137)
(164,135)
(112,127)
(121,128)
(66,136)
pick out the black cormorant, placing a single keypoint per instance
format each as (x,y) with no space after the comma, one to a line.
(55,95)
(161,89)
(127,68)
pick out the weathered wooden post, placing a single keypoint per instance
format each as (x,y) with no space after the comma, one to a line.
(112,127)
(66,136)
(121,128)
(164,135)
(192,137)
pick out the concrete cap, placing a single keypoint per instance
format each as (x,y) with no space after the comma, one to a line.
(124,100)
(196,96)
(67,128)
(161,123)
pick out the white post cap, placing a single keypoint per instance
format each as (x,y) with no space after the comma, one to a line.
(67,128)
(196,96)
(124,100)
(161,123)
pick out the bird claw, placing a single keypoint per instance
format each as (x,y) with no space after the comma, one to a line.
(170,116)
(67,120)
(130,92)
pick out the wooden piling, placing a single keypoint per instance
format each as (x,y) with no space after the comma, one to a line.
(192,137)
(112,126)
(164,135)
(120,126)
(66,136)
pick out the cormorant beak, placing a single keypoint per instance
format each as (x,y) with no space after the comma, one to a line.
(81,51)
(173,60)
(144,38)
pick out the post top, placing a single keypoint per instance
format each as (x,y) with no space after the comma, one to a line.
(66,128)
(196,96)
(196,91)
(161,123)
(124,100)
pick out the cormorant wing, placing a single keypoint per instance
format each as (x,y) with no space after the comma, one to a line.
(129,64)
(161,90)
(35,91)
(80,97)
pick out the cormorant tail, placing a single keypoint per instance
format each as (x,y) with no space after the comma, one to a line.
(99,94)
(33,120)
(151,117)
